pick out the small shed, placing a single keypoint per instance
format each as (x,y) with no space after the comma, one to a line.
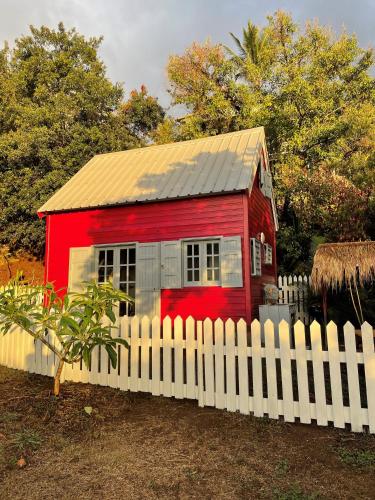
(185,228)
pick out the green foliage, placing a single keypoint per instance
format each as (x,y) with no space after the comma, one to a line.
(27,440)
(314,93)
(81,321)
(295,492)
(204,81)
(57,110)
(142,114)
(357,458)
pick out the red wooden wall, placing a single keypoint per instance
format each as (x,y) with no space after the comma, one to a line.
(225,215)
(261,220)
(210,216)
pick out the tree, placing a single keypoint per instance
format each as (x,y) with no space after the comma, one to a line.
(76,319)
(57,110)
(203,79)
(313,92)
(141,114)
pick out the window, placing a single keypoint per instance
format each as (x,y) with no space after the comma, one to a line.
(119,265)
(202,263)
(267,254)
(105,266)
(127,279)
(256,257)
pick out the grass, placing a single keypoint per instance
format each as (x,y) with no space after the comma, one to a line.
(139,446)
(27,440)
(357,458)
(294,493)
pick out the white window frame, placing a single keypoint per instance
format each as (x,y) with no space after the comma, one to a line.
(256,257)
(116,263)
(203,281)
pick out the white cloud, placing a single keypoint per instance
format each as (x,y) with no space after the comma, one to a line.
(139,35)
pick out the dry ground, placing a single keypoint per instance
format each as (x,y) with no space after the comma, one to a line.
(139,446)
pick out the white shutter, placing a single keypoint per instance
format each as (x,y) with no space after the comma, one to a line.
(147,294)
(81,267)
(256,257)
(171,264)
(231,262)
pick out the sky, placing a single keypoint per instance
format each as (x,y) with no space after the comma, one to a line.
(139,35)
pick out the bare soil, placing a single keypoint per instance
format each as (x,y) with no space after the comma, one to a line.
(139,446)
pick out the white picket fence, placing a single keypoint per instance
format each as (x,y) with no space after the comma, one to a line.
(229,366)
(294,289)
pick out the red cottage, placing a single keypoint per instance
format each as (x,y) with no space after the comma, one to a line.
(185,228)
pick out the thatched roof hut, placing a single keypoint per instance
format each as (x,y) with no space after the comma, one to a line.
(337,264)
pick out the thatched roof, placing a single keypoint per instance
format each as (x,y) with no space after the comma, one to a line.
(336,264)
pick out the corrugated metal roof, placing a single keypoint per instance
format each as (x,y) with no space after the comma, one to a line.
(223,163)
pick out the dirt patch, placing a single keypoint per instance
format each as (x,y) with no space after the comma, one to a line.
(139,446)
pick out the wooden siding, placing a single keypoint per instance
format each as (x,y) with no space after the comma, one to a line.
(196,217)
(261,220)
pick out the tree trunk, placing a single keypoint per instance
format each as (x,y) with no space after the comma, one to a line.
(56,383)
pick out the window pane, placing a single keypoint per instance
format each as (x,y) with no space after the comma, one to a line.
(131,273)
(190,262)
(216,261)
(196,262)
(216,248)
(189,249)
(123,273)
(209,248)
(109,272)
(122,309)
(109,257)
(131,255)
(124,287)
(216,274)
(101,274)
(196,275)
(131,290)
(131,309)
(123,256)
(196,249)
(209,274)
(209,261)
(101,257)
(190,275)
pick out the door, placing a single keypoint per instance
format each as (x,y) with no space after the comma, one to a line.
(147,295)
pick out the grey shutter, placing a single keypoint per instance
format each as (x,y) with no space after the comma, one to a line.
(231,262)
(171,264)
(256,257)
(81,267)
(267,254)
(147,294)
(268,184)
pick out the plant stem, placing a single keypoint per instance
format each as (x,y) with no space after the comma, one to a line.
(56,383)
(359,301)
(353,301)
